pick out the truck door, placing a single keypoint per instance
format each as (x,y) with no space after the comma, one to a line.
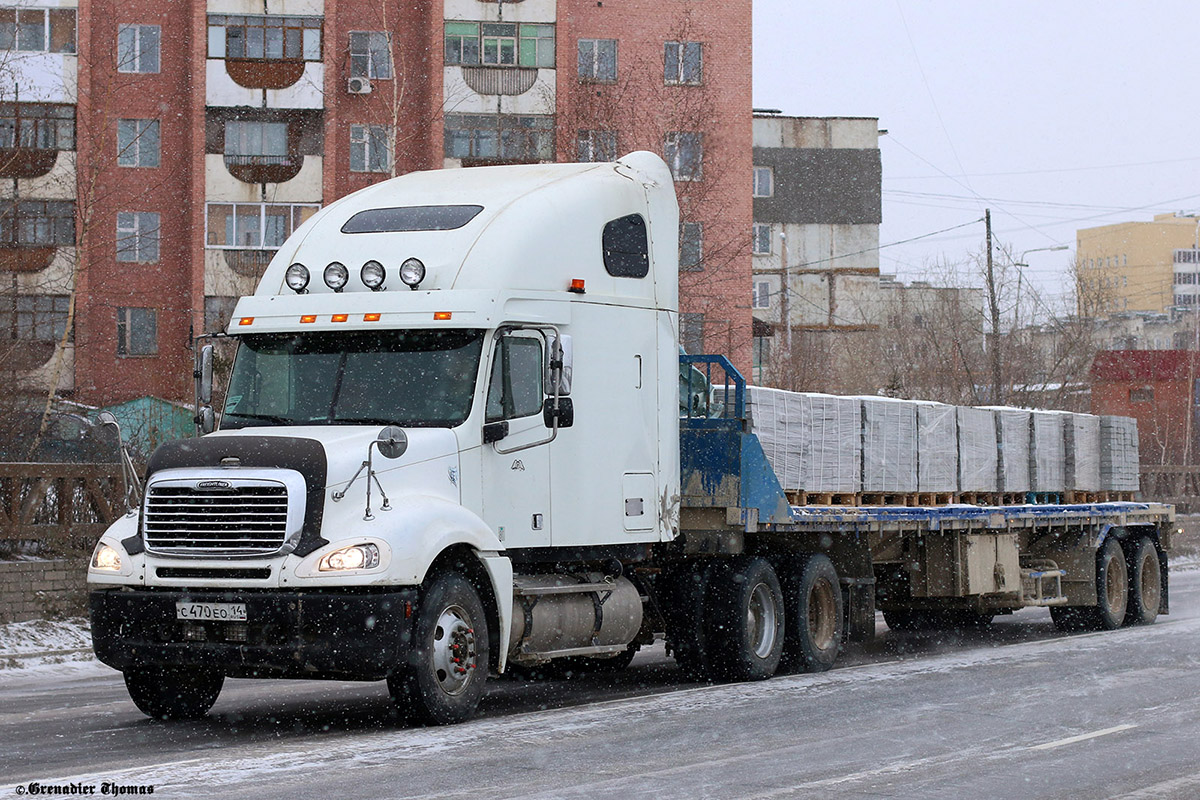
(516,471)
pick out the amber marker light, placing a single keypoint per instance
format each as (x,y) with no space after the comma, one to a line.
(441,315)
(576,286)
(371,317)
(246,321)
(309,318)
(340,317)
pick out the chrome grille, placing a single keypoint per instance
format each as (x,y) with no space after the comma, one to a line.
(243,520)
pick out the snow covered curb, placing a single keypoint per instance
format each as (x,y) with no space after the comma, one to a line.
(40,642)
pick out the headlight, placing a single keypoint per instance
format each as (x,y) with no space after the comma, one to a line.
(106,558)
(358,556)
(336,275)
(412,272)
(296,278)
(372,275)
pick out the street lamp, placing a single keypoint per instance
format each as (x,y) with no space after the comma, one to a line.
(1020,262)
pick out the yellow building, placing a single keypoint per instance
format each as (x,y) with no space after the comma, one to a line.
(1139,266)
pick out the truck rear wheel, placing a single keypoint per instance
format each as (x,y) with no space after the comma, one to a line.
(1145,583)
(745,620)
(174,692)
(444,679)
(1112,595)
(815,616)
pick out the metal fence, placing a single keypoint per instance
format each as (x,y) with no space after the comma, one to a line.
(1177,485)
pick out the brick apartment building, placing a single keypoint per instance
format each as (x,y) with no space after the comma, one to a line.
(1160,388)
(157,153)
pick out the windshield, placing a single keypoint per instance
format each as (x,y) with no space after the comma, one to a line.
(409,378)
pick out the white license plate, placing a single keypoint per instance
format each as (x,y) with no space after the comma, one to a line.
(211,612)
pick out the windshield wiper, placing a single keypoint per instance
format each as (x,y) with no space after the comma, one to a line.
(360,421)
(277,420)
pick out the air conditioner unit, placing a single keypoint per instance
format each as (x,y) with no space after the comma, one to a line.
(358,86)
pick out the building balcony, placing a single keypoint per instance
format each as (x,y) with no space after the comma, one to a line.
(500,80)
(232,82)
(264,73)
(507,90)
(17,257)
(26,162)
(264,169)
(222,185)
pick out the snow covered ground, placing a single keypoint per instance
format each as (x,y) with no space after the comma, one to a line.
(41,643)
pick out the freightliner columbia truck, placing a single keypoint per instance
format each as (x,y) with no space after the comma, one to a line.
(451,444)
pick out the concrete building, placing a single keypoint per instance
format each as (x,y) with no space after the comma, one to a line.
(1139,266)
(158,153)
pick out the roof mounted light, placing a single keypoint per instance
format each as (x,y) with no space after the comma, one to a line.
(372,275)
(336,275)
(297,278)
(412,272)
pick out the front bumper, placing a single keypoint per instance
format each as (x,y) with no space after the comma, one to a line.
(293,634)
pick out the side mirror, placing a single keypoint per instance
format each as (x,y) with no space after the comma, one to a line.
(392,442)
(204,375)
(107,418)
(565,413)
(495,431)
(559,366)
(206,419)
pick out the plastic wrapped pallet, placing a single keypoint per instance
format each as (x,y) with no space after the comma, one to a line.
(937,450)
(1047,455)
(777,419)
(1119,454)
(834,433)
(1012,437)
(1081,441)
(889,445)
(978,467)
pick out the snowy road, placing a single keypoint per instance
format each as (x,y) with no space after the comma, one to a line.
(1022,712)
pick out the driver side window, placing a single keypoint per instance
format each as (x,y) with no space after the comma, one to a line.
(516,383)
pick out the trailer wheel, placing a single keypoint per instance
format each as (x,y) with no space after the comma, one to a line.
(745,620)
(1145,583)
(444,679)
(174,692)
(815,615)
(1112,595)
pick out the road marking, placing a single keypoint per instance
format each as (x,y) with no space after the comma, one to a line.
(1165,789)
(1082,737)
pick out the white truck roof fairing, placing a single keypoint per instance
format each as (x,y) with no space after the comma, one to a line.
(539,228)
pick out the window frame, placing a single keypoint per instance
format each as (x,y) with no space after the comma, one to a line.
(296,217)
(760,295)
(220,25)
(761,174)
(366,63)
(51,223)
(133,63)
(142,239)
(698,227)
(465,43)
(241,128)
(590,143)
(370,140)
(536,132)
(35,318)
(11,32)
(675,147)
(758,229)
(139,144)
(42,121)
(676,68)
(126,323)
(595,61)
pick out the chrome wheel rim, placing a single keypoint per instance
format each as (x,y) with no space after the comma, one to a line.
(762,618)
(454,654)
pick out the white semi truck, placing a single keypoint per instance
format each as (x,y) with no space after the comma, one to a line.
(451,443)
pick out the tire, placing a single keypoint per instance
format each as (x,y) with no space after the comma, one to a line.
(447,669)
(174,692)
(1112,595)
(815,615)
(682,594)
(1145,583)
(745,620)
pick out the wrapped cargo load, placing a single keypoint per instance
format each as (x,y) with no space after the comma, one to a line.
(889,445)
(937,450)
(1081,441)
(1047,456)
(1012,437)
(978,454)
(1119,454)
(777,419)
(834,431)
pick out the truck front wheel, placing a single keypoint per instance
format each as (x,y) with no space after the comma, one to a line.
(443,681)
(173,692)
(745,620)
(814,614)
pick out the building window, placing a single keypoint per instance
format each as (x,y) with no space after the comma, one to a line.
(254,226)
(597,145)
(499,44)
(369,149)
(764,182)
(762,239)
(499,137)
(137,332)
(1143,394)
(37,223)
(598,60)
(37,30)
(258,143)
(137,143)
(37,318)
(682,62)
(137,236)
(684,152)
(762,295)
(264,37)
(762,354)
(691,333)
(370,55)
(218,310)
(37,126)
(691,245)
(137,48)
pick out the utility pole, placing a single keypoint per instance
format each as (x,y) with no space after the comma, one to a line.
(994,307)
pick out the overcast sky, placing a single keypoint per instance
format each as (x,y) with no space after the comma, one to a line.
(1057,115)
